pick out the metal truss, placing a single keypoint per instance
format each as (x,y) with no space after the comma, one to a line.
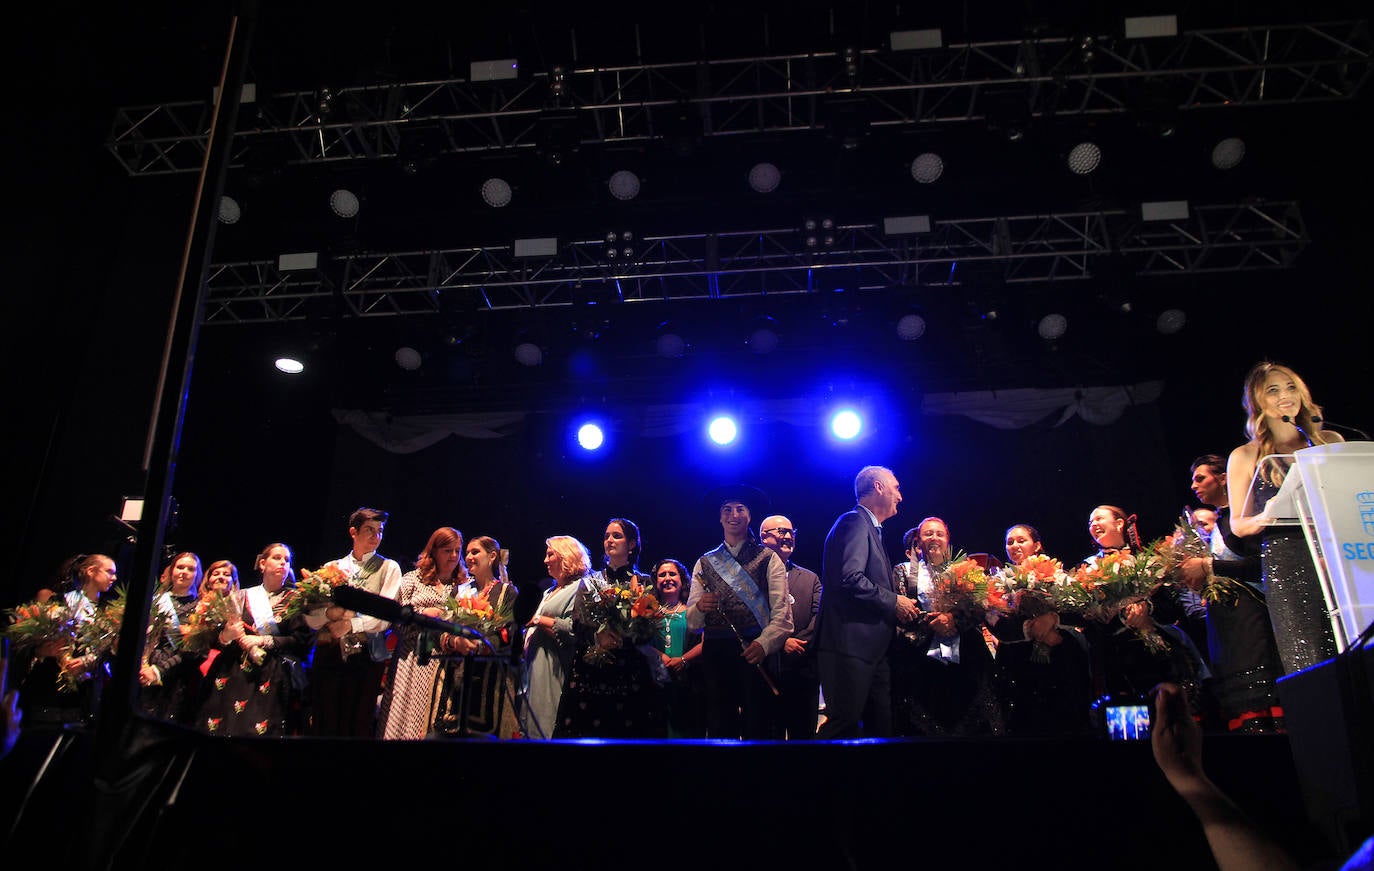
(1014,248)
(1033,77)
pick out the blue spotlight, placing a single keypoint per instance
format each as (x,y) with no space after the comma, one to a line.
(722,430)
(846,424)
(590,436)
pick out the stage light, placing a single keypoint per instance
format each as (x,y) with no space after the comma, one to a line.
(624,185)
(344,203)
(670,345)
(1053,326)
(528,354)
(927,168)
(846,424)
(1084,158)
(764,178)
(496,192)
(763,341)
(722,430)
(1228,153)
(911,327)
(229,211)
(590,436)
(289,365)
(1171,321)
(408,358)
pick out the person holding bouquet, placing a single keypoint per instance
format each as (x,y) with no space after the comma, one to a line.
(406,701)
(616,685)
(471,694)
(221,577)
(549,637)
(248,687)
(169,675)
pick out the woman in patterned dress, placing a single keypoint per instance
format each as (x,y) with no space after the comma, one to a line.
(249,687)
(407,700)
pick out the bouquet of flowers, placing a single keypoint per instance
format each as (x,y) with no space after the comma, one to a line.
(1100,588)
(1185,544)
(316,588)
(492,619)
(99,636)
(626,608)
(1038,572)
(965,589)
(202,626)
(35,623)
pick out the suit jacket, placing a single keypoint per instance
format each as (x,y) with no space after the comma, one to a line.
(858,614)
(805,587)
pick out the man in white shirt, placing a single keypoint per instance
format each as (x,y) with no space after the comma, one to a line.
(350,650)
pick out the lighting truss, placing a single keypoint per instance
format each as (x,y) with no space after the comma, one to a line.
(1237,66)
(1066,246)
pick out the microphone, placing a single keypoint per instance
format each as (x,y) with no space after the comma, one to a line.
(373,605)
(1359,432)
(1302,432)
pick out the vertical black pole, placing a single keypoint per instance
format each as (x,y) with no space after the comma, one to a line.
(118,704)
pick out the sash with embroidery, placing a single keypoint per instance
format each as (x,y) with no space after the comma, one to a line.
(260,607)
(740,583)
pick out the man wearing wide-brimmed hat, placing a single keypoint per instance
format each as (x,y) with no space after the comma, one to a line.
(739,600)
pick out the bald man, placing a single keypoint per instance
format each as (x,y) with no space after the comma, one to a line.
(799,683)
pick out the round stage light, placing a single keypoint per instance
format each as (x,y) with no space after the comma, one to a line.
(911,327)
(763,341)
(496,192)
(670,345)
(1085,157)
(408,358)
(765,178)
(1228,153)
(927,168)
(722,430)
(344,203)
(624,185)
(289,365)
(590,436)
(229,211)
(1053,326)
(528,354)
(846,424)
(1171,321)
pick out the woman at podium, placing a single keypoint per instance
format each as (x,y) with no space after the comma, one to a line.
(1281,418)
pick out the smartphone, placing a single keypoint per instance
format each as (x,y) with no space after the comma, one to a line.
(1128,722)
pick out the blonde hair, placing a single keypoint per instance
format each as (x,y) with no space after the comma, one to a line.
(573,557)
(1257,424)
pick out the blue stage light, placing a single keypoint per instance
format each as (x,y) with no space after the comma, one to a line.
(590,436)
(846,424)
(722,430)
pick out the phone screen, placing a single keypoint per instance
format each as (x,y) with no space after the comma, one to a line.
(1128,722)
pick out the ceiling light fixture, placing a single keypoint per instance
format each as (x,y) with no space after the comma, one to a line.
(624,185)
(764,178)
(496,192)
(1084,158)
(927,168)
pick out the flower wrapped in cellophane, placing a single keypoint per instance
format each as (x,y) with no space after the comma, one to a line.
(964,588)
(34,624)
(1039,572)
(1101,587)
(626,608)
(316,589)
(99,635)
(491,618)
(1186,544)
(201,628)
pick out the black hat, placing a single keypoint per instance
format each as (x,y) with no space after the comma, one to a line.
(755,499)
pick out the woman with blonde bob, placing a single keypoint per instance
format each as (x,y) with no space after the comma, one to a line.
(1280,418)
(549,640)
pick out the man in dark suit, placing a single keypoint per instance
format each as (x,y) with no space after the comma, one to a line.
(798,683)
(859,613)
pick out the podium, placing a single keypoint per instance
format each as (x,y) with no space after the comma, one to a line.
(1328,490)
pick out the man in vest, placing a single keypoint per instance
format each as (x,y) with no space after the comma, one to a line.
(350,650)
(739,600)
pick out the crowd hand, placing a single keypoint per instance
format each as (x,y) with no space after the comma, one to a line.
(794,646)
(1193,572)
(49,650)
(1176,739)
(457,644)
(753,654)
(608,639)
(339,628)
(334,612)
(708,603)
(907,609)
(437,613)
(231,632)
(248,642)
(942,624)
(674,663)
(148,676)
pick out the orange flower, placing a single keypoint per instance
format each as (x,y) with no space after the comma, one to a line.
(644,606)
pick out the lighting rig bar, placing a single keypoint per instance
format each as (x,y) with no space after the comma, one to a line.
(1018,248)
(1042,76)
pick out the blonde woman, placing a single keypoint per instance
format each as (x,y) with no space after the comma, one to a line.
(549,638)
(1281,418)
